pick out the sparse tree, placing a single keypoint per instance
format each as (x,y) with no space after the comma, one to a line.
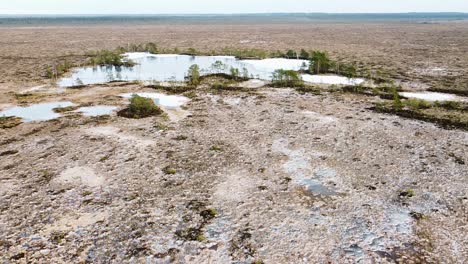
(291,54)
(245,73)
(304,54)
(234,73)
(319,62)
(194,74)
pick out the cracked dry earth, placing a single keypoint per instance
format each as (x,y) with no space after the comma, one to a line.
(277,177)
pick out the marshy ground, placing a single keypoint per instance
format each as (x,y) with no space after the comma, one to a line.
(255,175)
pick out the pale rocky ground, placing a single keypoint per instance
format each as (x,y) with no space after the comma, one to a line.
(294,178)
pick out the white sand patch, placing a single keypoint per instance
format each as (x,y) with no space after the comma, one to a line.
(74,220)
(116,134)
(319,117)
(77,176)
(235,187)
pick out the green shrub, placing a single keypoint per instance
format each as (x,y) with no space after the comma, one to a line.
(108,57)
(234,73)
(450,105)
(194,74)
(397,105)
(219,86)
(319,62)
(57,70)
(169,170)
(286,78)
(309,89)
(304,54)
(291,54)
(416,104)
(141,107)
(347,70)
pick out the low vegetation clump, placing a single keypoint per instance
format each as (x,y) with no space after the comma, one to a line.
(191,234)
(140,107)
(64,109)
(27,98)
(245,53)
(446,114)
(109,57)
(169,170)
(209,214)
(308,89)
(149,47)
(9,122)
(286,78)
(194,75)
(216,148)
(58,69)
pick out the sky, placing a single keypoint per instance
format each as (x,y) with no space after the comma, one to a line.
(223,6)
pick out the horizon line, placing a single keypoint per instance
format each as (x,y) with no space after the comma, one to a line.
(227,14)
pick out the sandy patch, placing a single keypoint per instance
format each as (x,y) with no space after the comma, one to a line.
(79,176)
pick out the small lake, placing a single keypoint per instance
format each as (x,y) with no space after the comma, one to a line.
(331,79)
(172,67)
(36,112)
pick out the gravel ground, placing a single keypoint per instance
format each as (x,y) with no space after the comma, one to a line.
(271,175)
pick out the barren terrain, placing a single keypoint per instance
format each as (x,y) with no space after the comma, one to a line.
(260,175)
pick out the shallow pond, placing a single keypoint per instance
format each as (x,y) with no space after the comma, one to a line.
(36,112)
(173,67)
(431,96)
(98,110)
(168,101)
(331,79)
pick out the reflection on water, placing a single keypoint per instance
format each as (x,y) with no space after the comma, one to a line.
(171,67)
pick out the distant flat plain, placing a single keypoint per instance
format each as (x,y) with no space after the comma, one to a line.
(408,46)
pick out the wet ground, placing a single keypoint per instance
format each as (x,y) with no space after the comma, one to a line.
(268,175)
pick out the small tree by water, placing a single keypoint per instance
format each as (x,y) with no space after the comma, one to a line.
(194,74)
(319,62)
(286,78)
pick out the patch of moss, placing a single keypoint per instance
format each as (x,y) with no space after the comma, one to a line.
(191,234)
(181,137)
(407,193)
(169,170)
(209,214)
(215,148)
(64,109)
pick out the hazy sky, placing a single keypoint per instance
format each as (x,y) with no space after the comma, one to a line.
(223,6)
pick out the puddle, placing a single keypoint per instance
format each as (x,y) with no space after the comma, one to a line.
(331,79)
(431,96)
(168,101)
(299,168)
(98,110)
(173,67)
(36,112)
